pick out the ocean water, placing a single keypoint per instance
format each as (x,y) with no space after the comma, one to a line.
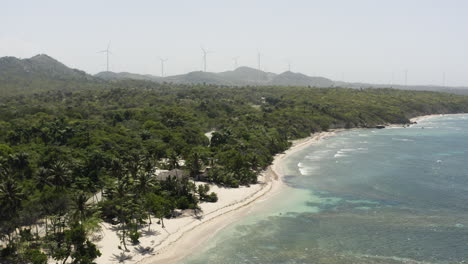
(396,195)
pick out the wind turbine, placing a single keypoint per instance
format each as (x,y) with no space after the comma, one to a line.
(235,59)
(107,51)
(259,55)
(289,64)
(205,52)
(162,65)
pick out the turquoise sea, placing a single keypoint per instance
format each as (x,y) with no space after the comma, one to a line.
(395,195)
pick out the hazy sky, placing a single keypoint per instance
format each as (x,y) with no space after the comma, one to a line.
(354,40)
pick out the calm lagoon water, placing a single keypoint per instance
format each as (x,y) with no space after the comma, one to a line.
(397,195)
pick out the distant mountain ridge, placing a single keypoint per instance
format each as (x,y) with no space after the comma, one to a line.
(39,66)
(239,77)
(45,72)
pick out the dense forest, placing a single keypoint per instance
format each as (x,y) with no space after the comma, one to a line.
(76,157)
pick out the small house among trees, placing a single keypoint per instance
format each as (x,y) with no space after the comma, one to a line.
(175,173)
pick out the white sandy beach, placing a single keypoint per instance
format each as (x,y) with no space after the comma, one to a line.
(422,118)
(425,117)
(183,234)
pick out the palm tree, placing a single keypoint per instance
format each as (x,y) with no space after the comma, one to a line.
(54,204)
(10,194)
(173,160)
(194,165)
(254,162)
(19,162)
(145,180)
(159,206)
(11,197)
(117,170)
(83,214)
(133,164)
(144,185)
(80,207)
(42,177)
(59,174)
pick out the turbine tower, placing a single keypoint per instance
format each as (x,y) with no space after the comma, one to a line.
(205,52)
(289,64)
(107,51)
(258,60)
(235,59)
(162,65)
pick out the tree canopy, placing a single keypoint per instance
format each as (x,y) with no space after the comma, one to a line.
(60,149)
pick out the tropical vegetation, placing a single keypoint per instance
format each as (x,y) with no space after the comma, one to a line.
(72,158)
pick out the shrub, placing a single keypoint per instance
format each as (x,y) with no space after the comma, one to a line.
(183,203)
(35,256)
(135,236)
(212,197)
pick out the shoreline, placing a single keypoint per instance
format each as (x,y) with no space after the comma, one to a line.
(183,235)
(194,238)
(425,117)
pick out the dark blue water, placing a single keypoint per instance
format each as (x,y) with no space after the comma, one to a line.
(397,195)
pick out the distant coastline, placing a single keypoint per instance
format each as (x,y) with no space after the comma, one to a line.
(425,117)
